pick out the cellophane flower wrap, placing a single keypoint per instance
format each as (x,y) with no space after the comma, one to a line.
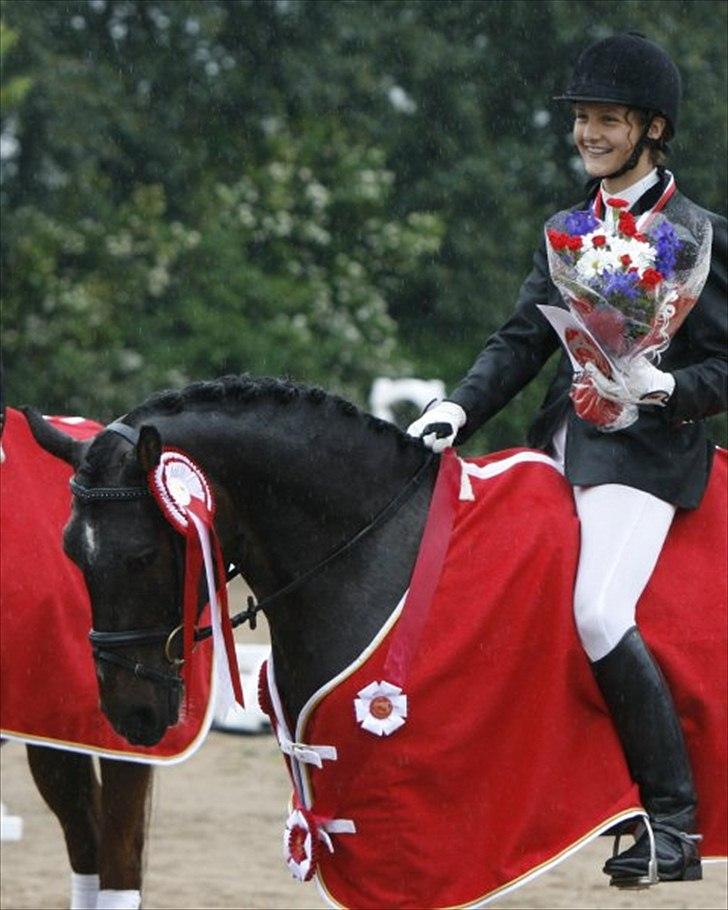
(629,283)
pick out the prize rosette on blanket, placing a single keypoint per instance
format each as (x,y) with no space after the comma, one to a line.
(629,283)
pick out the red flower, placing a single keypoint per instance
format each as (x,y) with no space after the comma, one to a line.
(626,260)
(651,278)
(574,243)
(557,239)
(641,237)
(599,240)
(627,224)
(618,203)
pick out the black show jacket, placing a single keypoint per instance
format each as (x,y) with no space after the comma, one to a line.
(666,452)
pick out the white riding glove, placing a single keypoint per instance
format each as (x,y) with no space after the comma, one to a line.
(439,426)
(643,383)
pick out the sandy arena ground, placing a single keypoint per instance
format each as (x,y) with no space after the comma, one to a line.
(215,842)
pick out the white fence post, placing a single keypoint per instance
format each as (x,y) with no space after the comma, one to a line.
(386,393)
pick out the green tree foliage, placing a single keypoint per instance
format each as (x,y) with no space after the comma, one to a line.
(333,189)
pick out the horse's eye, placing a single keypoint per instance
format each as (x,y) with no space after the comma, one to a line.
(141,560)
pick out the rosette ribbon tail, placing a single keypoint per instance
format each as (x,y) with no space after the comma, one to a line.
(222,634)
(193,570)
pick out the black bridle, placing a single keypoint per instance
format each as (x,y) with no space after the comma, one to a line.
(104,644)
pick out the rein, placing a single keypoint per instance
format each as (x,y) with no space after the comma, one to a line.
(393,506)
(101,641)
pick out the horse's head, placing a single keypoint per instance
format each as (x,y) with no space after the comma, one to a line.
(128,554)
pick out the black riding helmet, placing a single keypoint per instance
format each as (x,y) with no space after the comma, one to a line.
(629,69)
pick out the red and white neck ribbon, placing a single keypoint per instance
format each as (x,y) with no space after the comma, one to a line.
(185,498)
(644,219)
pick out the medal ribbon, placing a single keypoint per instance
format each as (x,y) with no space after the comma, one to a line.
(597,205)
(184,495)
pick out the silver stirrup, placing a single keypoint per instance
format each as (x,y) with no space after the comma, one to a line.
(644,881)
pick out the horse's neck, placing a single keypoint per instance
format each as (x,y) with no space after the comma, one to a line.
(327,624)
(299,490)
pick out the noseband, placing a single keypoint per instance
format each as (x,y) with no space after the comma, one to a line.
(103,643)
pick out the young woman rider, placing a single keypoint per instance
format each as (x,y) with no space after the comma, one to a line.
(625,93)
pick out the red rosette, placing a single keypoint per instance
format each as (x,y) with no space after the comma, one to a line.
(301,844)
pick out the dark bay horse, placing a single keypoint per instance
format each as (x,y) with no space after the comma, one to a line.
(103,820)
(297,473)
(322,508)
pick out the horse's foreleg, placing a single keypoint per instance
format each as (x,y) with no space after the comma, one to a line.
(67,782)
(126,787)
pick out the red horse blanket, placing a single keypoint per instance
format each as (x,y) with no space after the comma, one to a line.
(48,690)
(499,758)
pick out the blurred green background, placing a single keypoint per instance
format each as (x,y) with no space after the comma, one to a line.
(331,190)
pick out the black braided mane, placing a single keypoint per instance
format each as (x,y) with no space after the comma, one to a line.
(231,391)
(245,389)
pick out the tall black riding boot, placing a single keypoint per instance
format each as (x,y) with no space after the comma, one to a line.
(646,720)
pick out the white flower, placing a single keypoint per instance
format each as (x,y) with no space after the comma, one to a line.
(593,261)
(381,708)
(641,254)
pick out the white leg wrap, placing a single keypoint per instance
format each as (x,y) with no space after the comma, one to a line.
(84,891)
(118,900)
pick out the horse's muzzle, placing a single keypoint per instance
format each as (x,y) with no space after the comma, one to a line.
(141,726)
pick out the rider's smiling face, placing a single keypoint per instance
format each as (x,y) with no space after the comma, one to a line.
(605,136)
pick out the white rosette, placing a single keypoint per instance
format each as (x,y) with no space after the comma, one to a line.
(302,838)
(381,708)
(176,481)
(300,845)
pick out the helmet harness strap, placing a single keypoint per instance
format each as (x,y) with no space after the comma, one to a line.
(639,147)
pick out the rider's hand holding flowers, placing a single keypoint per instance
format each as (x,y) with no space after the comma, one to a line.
(644,384)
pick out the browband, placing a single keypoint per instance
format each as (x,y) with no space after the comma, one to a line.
(88,494)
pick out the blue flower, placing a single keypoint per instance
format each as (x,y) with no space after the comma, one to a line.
(667,246)
(623,284)
(581,222)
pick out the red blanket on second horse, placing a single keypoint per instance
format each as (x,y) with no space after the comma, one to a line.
(507,759)
(48,690)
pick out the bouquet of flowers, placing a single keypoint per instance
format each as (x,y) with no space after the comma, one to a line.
(628,284)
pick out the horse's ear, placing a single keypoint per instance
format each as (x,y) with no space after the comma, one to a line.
(149,448)
(52,440)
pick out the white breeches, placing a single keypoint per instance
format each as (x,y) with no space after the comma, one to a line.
(622,534)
